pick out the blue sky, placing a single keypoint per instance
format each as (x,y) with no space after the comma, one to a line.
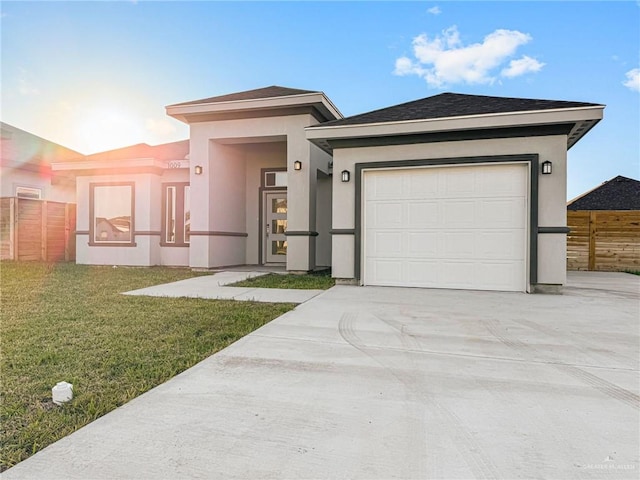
(97,75)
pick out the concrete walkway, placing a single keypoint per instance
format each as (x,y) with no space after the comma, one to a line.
(382,383)
(215,287)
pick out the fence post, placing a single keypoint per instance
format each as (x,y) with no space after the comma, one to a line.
(43,248)
(592,240)
(66,232)
(16,231)
(12,229)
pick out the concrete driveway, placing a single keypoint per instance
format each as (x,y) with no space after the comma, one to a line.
(379,383)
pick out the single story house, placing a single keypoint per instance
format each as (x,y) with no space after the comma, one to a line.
(25,163)
(618,193)
(37,205)
(450,191)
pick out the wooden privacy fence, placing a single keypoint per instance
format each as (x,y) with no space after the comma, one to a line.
(37,230)
(606,240)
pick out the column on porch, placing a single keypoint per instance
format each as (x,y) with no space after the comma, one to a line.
(301,214)
(218,210)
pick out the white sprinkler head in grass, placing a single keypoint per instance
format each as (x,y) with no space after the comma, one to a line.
(62,393)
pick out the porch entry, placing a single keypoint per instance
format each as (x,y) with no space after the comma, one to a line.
(275,226)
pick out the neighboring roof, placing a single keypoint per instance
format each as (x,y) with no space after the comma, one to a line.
(619,193)
(266,92)
(21,148)
(167,151)
(447,105)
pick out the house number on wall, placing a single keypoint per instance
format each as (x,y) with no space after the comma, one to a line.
(173,165)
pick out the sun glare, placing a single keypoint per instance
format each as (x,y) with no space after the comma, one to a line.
(106,128)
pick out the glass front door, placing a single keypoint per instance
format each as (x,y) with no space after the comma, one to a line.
(275,226)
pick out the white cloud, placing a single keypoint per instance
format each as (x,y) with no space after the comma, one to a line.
(633,80)
(434,10)
(405,66)
(444,59)
(521,66)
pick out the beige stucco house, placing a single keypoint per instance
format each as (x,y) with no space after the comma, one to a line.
(450,191)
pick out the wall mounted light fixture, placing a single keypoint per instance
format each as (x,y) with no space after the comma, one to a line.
(546,167)
(197,169)
(297,165)
(346,176)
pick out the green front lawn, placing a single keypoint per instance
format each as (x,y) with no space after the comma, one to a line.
(69,323)
(312,281)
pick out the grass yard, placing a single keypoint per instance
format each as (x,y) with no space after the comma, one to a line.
(312,281)
(68,322)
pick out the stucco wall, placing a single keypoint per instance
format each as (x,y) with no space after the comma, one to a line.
(321,204)
(147,223)
(218,147)
(217,203)
(551,203)
(64,191)
(323,221)
(25,161)
(301,194)
(259,156)
(141,253)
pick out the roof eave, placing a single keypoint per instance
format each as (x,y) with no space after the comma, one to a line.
(584,119)
(579,130)
(318,100)
(86,165)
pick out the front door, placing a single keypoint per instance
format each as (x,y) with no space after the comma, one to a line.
(275,226)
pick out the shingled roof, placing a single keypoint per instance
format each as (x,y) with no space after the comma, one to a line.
(266,92)
(619,193)
(447,105)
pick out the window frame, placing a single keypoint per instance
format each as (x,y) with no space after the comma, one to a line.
(92,223)
(180,240)
(28,191)
(274,170)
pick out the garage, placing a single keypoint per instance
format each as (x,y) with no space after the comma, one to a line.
(461,227)
(453,191)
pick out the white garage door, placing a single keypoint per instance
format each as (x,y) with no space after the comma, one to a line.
(446,227)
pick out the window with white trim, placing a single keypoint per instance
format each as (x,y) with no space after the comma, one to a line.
(29,192)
